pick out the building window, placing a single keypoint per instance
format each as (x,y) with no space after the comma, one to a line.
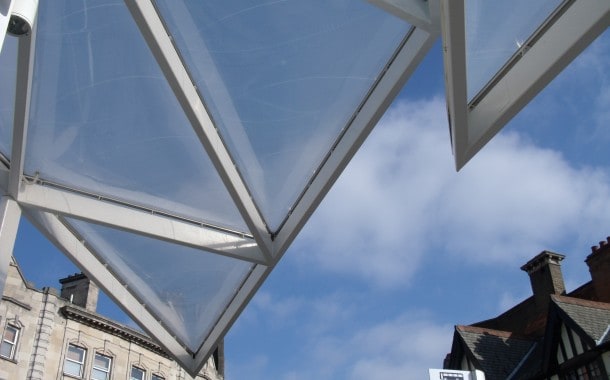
(101,367)
(137,374)
(75,361)
(157,377)
(9,342)
(591,371)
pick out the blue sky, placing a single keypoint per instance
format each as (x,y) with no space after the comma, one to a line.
(403,247)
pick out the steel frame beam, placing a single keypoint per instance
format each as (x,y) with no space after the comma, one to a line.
(159,41)
(405,62)
(188,26)
(25,67)
(10,213)
(140,221)
(240,301)
(535,67)
(86,259)
(415,12)
(453,33)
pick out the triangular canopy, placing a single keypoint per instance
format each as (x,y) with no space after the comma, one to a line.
(174,149)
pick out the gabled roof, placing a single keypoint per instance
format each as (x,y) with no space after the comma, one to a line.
(495,352)
(593,318)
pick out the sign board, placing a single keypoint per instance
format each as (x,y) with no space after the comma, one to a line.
(450,374)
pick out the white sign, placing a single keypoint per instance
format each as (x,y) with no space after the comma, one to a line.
(451,374)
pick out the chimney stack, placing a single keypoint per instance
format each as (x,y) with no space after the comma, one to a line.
(599,266)
(545,276)
(80,291)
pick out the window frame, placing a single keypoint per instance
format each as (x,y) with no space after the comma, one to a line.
(156,376)
(81,364)
(12,343)
(139,369)
(107,370)
(592,370)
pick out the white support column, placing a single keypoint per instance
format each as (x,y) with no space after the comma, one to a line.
(10,213)
(25,66)
(170,62)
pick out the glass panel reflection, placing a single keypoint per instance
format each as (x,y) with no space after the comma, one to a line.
(105,120)
(281,80)
(8,79)
(186,288)
(495,30)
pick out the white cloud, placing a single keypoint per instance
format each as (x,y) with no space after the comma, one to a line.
(372,222)
(400,199)
(516,199)
(402,346)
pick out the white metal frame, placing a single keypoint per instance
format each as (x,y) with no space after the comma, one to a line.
(170,62)
(148,223)
(48,205)
(404,63)
(25,67)
(539,61)
(85,258)
(424,14)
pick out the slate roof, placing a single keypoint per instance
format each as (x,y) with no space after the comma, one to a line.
(531,365)
(592,317)
(498,353)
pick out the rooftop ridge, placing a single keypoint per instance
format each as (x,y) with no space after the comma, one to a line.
(72,277)
(488,331)
(580,302)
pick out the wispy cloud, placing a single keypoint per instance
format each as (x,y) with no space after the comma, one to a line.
(400,200)
(403,346)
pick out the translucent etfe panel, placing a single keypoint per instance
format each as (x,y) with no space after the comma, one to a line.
(281,79)
(8,77)
(495,30)
(186,288)
(104,119)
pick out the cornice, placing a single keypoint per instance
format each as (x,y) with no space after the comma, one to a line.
(100,323)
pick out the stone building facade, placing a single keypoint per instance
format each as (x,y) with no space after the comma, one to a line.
(552,335)
(48,334)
